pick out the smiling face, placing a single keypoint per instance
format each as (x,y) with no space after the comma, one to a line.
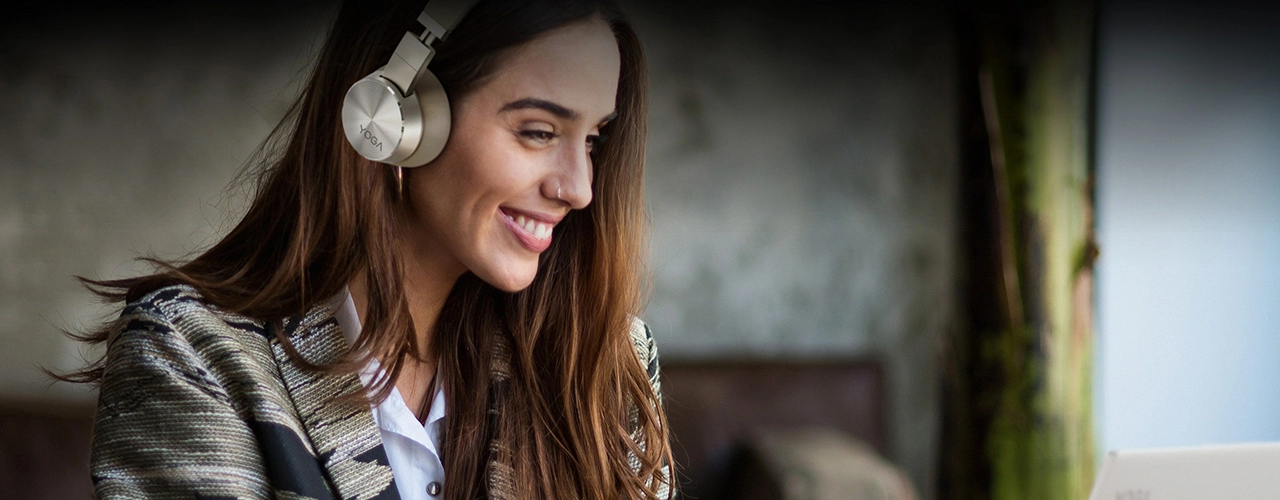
(518,158)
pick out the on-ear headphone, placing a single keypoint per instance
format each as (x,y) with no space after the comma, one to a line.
(400,114)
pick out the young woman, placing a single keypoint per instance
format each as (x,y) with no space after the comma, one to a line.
(462,329)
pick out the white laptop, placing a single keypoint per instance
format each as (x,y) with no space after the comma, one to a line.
(1235,472)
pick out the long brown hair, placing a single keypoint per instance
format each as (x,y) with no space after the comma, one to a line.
(321,215)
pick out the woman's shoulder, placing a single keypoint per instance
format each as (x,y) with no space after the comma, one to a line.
(164,303)
(646,347)
(177,319)
(180,306)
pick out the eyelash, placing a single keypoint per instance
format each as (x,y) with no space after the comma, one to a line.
(539,135)
(542,135)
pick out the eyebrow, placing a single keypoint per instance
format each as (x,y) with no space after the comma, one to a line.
(548,106)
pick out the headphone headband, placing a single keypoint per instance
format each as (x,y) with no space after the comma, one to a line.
(414,52)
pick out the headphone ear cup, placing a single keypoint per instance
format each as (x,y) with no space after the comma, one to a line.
(378,122)
(436,120)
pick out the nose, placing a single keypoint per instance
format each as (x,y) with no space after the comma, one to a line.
(571,181)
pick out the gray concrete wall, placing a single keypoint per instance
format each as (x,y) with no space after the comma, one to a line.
(802,176)
(121,138)
(802,184)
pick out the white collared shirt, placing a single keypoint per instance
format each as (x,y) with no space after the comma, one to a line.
(412,448)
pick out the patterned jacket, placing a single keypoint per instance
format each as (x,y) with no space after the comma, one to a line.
(199,403)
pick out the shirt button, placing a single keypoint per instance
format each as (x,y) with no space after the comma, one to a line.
(433,489)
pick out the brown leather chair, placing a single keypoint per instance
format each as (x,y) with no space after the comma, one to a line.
(715,406)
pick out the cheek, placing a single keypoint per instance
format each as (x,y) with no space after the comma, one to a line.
(485,169)
(496,168)
(500,174)
(488,175)
(491,175)
(456,186)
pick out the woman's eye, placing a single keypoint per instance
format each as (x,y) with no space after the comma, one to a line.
(538,135)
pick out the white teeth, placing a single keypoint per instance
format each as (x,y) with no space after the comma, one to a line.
(539,230)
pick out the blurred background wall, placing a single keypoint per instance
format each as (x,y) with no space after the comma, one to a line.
(801,176)
(131,126)
(802,183)
(1189,223)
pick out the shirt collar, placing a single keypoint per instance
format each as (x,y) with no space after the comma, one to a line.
(346,316)
(349,322)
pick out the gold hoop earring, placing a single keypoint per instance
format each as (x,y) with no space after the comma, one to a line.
(399,182)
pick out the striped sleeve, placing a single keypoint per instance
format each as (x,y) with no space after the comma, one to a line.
(647,351)
(165,427)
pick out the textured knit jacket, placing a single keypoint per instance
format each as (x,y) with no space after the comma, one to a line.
(199,403)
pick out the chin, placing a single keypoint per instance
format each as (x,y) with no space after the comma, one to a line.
(513,278)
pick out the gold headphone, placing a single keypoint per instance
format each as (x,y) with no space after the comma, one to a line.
(400,114)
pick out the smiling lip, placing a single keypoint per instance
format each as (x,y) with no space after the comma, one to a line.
(527,238)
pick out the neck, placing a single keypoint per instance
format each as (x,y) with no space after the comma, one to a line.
(429,276)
